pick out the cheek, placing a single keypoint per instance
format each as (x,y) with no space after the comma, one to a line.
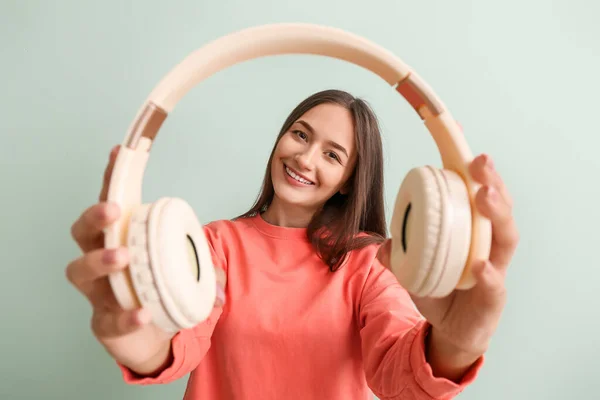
(331,176)
(276,169)
(284,147)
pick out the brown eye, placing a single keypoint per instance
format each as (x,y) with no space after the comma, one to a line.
(301,135)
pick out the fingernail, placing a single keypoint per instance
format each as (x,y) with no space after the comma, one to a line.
(144,316)
(107,211)
(491,193)
(220,294)
(112,208)
(487,161)
(111,256)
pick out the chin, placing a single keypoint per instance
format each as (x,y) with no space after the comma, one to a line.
(290,195)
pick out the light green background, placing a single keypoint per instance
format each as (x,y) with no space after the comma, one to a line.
(521,77)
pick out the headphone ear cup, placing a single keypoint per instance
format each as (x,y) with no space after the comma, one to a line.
(431,231)
(171,265)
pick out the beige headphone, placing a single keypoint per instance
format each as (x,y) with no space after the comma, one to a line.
(437,233)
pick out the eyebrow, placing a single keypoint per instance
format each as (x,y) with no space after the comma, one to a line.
(331,142)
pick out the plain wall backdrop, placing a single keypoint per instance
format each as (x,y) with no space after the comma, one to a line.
(520,76)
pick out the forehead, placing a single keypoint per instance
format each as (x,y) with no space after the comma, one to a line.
(332,122)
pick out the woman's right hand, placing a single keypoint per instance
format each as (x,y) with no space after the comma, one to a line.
(129,336)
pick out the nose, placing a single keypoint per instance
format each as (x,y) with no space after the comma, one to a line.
(306,159)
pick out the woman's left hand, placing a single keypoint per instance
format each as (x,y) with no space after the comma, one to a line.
(464,321)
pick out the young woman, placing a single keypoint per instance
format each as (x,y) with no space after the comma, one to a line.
(310,310)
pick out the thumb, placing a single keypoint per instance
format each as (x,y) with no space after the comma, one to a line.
(108,172)
(221,284)
(490,282)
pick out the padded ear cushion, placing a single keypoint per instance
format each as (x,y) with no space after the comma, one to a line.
(431,231)
(171,264)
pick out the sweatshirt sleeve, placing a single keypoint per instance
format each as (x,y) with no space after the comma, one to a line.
(393,342)
(188,346)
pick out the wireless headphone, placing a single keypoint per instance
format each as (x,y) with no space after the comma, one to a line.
(437,232)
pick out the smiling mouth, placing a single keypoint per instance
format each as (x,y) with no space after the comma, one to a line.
(296,177)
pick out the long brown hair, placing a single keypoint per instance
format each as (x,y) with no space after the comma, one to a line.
(346,221)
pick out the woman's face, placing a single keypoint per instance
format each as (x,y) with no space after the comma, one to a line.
(314,158)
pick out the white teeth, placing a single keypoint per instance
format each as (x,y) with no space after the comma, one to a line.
(296,177)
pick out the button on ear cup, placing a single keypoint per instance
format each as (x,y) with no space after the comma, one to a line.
(142,277)
(171,265)
(431,231)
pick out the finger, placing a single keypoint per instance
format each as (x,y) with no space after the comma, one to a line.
(220,298)
(107,324)
(87,230)
(101,295)
(490,284)
(108,173)
(221,284)
(95,264)
(384,254)
(221,277)
(505,235)
(482,170)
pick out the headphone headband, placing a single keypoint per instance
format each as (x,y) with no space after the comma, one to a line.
(278,39)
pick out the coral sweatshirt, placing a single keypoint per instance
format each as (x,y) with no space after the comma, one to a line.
(291,329)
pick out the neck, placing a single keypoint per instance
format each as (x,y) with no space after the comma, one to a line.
(286,215)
